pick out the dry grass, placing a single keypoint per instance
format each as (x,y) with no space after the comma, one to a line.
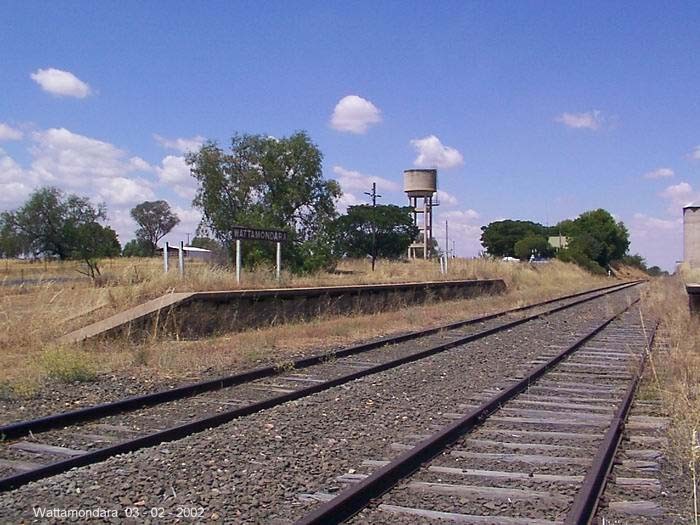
(33,316)
(676,372)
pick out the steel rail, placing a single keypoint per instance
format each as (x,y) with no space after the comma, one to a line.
(180,431)
(62,419)
(355,498)
(587,498)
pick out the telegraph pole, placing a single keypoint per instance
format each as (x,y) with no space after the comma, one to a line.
(374,196)
(447,245)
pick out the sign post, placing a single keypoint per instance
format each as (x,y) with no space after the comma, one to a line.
(279,260)
(243,233)
(238,261)
(181,259)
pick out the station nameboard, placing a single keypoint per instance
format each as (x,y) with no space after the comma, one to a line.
(256,234)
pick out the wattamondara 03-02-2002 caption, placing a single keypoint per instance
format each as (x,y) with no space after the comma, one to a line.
(132,512)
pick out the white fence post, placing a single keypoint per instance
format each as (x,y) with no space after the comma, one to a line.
(181,259)
(165,257)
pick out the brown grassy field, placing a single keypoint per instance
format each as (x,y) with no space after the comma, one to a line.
(34,316)
(675,375)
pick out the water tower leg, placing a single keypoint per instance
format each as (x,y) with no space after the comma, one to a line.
(425,228)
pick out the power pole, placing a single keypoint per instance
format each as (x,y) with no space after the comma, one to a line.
(374,196)
(447,245)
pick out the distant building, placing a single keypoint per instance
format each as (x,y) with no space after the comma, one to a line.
(191,252)
(558,242)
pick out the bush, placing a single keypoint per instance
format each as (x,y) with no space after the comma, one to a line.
(67,365)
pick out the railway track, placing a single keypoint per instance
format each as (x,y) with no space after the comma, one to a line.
(43,447)
(536,450)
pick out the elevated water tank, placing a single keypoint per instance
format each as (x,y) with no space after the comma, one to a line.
(420,183)
(691,235)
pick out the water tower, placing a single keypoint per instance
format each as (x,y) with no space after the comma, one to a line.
(420,186)
(691,235)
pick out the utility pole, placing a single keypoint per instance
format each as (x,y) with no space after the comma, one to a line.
(447,245)
(374,196)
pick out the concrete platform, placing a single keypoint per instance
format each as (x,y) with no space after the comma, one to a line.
(193,314)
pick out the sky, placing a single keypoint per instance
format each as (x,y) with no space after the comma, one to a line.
(529,110)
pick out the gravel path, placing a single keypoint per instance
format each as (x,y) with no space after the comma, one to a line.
(254,470)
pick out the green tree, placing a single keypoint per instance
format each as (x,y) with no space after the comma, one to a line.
(655,271)
(137,248)
(392,225)
(11,244)
(532,245)
(499,237)
(206,243)
(155,220)
(93,241)
(596,236)
(268,183)
(47,223)
(53,224)
(636,261)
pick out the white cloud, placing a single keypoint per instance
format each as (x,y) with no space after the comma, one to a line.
(79,164)
(182,144)
(680,195)
(354,180)
(659,173)
(61,83)
(463,229)
(355,114)
(9,133)
(345,201)
(695,154)
(433,154)
(175,173)
(189,221)
(122,191)
(589,120)
(659,241)
(654,224)
(15,184)
(61,156)
(446,199)
(461,215)
(98,170)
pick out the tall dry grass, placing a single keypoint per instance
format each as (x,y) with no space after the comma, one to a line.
(32,317)
(676,371)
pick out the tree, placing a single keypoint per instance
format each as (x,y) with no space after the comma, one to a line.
(267,182)
(47,224)
(499,237)
(53,224)
(532,245)
(393,226)
(93,241)
(636,261)
(595,236)
(206,243)
(11,245)
(137,248)
(155,220)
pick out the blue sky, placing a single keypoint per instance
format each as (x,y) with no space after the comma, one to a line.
(531,110)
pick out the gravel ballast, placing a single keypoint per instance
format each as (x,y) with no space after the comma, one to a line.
(255,469)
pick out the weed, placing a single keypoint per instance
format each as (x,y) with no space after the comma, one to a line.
(67,365)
